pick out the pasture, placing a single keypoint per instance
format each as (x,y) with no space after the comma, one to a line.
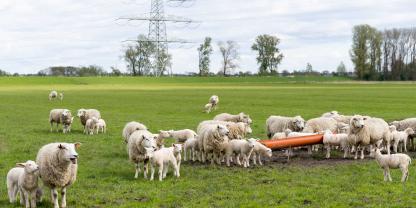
(105,175)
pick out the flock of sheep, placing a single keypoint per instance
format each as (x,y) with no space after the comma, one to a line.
(221,140)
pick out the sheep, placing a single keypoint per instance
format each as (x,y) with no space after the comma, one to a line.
(338,117)
(236,130)
(276,124)
(214,100)
(53,94)
(242,148)
(404,124)
(85,114)
(320,124)
(208,108)
(260,150)
(161,158)
(160,140)
(131,127)
(90,126)
(241,117)
(61,96)
(137,142)
(181,135)
(330,114)
(400,137)
(61,116)
(190,147)
(331,139)
(211,138)
(366,131)
(393,161)
(23,180)
(58,168)
(101,126)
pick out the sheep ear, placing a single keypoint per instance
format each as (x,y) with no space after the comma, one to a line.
(218,126)
(20,165)
(365,118)
(77,145)
(173,145)
(60,146)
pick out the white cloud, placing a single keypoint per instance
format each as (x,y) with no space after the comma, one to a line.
(42,33)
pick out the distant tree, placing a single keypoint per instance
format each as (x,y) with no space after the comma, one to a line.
(204,52)
(4,73)
(229,54)
(131,57)
(138,56)
(162,63)
(341,69)
(91,70)
(269,56)
(285,73)
(115,72)
(308,69)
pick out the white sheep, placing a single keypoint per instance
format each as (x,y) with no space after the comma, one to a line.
(61,96)
(400,137)
(131,127)
(335,140)
(58,168)
(161,158)
(23,180)
(276,124)
(330,114)
(260,150)
(211,140)
(242,148)
(214,100)
(241,117)
(181,135)
(366,131)
(137,142)
(61,116)
(404,124)
(393,161)
(85,114)
(177,151)
(320,124)
(208,108)
(338,117)
(101,126)
(237,130)
(90,125)
(53,94)
(190,148)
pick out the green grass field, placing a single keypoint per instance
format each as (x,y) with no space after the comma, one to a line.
(105,175)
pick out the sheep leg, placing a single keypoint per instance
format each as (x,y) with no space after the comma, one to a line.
(51,126)
(237,159)
(26,198)
(63,197)
(309,150)
(259,157)
(346,152)
(185,150)
(161,166)
(388,147)
(176,169)
(54,193)
(145,169)
(165,170)
(385,174)
(405,145)
(328,151)
(395,144)
(152,172)
(22,197)
(136,175)
(33,199)
(405,173)
(254,157)
(362,153)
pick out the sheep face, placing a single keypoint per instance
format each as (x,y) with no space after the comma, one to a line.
(81,112)
(358,121)
(392,128)
(222,130)
(245,118)
(299,123)
(251,142)
(29,166)
(66,112)
(248,129)
(177,148)
(409,131)
(148,142)
(149,152)
(394,123)
(67,152)
(164,134)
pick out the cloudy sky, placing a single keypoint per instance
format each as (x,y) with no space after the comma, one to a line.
(35,34)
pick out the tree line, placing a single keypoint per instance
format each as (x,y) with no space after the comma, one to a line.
(384,55)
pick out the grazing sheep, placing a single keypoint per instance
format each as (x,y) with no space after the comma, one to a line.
(161,158)
(260,150)
(320,124)
(131,127)
(400,137)
(190,147)
(61,116)
(241,117)
(53,94)
(276,124)
(211,140)
(236,130)
(208,108)
(281,135)
(138,141)
(334,140)
(58,168)
(366,131)
(61,96)
(28,183)
(393,161)
(214,100)
(85,114)
(242,148)
(101,126)
(90,125)
(330,114)
(404,124)
(181,135)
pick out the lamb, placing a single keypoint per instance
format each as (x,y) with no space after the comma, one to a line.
(236,130)
(190,147)
(23,179)
(90,126)
(214,100)
(161,158)
(177,150)
(260,150)
(240,147)
(61,116)
(53,94)
(393,161)
(58,168)
(101,126)
(208,108)
(85,114)
(331,139)
(281,135)
(241,117)
(137,142)
(320,124)
(181,135)
(400,137)
(366,131)
(404,124)
(61,96)
(276,124)
(211,139)
(131,127)
(160,140)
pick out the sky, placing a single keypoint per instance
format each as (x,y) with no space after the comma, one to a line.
(36,34)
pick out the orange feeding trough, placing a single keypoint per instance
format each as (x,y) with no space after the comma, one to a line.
(293,142)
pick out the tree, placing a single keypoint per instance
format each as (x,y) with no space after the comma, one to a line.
(341,69)
(3,73)
(163,62)
(308,69)
(138,56)
(131,57)
(269,56)
(115,72)
(204,52)
(229,53)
